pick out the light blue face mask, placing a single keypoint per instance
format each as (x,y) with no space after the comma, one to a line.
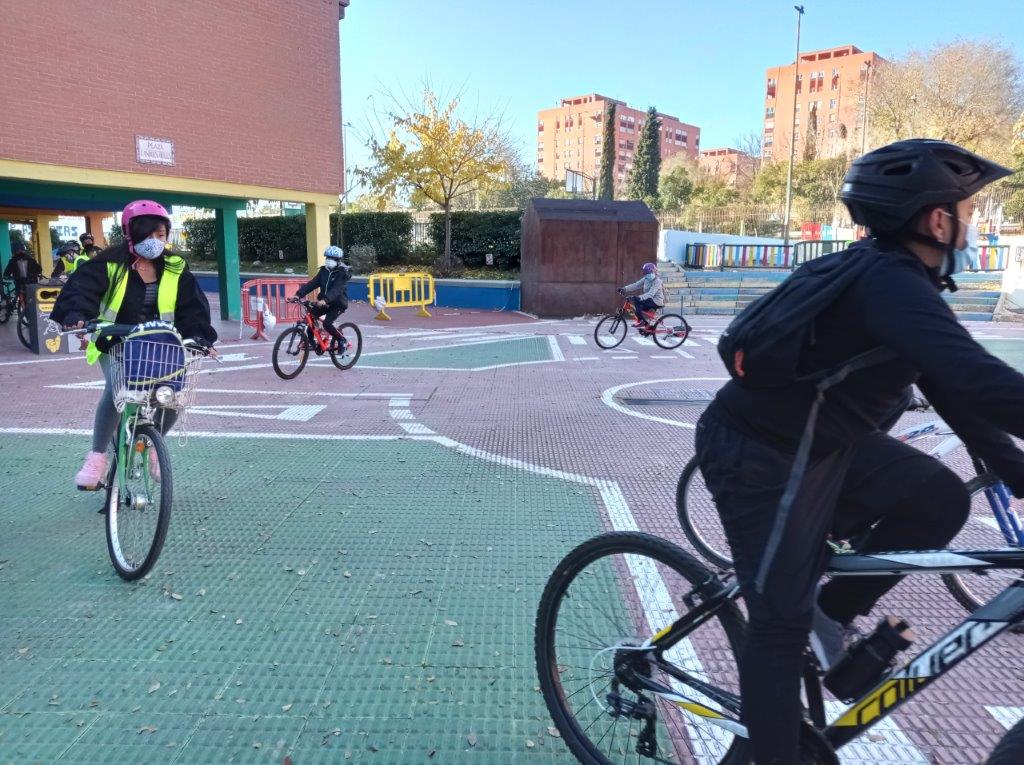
(150,249)
(963,258)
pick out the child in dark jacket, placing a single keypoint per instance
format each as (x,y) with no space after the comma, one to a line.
(332,280)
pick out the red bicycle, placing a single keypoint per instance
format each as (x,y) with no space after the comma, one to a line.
(669,331)
(291,351)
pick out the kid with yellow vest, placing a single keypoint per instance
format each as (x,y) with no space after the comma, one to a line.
(132,283)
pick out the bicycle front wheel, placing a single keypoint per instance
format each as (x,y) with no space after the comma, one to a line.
(5,311)
(139,503)
(981,532)
(24,329)
(699,517)
(610,332)
(291,351)
(603,601)
(671,331)
(347,357)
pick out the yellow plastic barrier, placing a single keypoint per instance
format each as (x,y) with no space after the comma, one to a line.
(401,290)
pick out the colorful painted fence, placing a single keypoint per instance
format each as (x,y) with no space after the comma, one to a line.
(757,255)
(993,257)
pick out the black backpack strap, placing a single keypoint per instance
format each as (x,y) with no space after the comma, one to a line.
(803,452)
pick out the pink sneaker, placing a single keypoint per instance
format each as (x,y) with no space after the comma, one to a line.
(154,465)
(93,471)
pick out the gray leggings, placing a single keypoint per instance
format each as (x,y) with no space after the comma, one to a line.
(105,422)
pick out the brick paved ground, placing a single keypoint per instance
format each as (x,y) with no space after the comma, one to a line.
(359,554)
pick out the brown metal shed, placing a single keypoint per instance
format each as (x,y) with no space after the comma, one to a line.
(575,253)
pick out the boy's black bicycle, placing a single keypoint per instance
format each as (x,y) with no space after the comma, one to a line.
(637,643)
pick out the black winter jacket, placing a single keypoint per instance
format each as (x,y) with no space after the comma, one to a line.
(80,298)
(333,286)
(897,304)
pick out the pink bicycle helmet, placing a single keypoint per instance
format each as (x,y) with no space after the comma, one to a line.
(137,209)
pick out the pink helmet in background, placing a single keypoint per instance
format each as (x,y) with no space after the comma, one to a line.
(137,209)
(649,268)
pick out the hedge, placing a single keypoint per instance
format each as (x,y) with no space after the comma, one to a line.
(390,233)
(474,234)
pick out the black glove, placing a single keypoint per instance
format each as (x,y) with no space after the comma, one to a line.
(621,291)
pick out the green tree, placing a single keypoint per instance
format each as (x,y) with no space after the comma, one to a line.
(643,178)
(606,187)
(1014,206)
(713,192)
(811,140)
(432,154)
(818,181)
(769,185)
(676,186)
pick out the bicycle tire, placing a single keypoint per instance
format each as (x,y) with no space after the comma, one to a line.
(958,587)
(700,544)
(117,558)
(24,329)
(565,573)
(676,336)
(5,311)
(300,335)
(615,324)
(350,330)
(1010,749)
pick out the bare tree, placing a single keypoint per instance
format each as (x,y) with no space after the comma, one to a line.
(967,92)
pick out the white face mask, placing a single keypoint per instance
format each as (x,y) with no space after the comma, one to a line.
(963,258)
(150,249)
(330,264)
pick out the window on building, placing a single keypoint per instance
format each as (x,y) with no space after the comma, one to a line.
(540,126)
(798,108)
(831,118)
(835,72)
(796,121)
(833,103)
(772,86)
(832,133)
(769,112)
(768,140)
(835,83)
(796,136)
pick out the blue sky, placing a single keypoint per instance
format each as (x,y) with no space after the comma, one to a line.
(701,61)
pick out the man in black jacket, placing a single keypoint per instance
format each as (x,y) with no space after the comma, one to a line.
(22,270)
(332,280)
(916,198)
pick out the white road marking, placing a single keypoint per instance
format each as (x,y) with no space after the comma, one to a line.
(576,340)
(683,353)
(608,397)
(585,358)
(556,351)
(1006,716)
(295,413)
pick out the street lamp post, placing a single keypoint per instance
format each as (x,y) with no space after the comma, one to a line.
(792,130)
(867,91)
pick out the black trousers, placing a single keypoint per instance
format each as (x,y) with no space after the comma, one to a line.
(647,304)
(912,499)
(330,314)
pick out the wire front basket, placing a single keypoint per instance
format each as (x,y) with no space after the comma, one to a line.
(159,373)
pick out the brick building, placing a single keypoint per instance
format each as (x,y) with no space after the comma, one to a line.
(570,136)
(733,166)
(832,85)
(199,103)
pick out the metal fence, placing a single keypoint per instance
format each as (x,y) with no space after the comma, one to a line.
(722,256)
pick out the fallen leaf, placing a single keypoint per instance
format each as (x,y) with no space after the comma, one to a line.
(286,707)
(431,753)
(256,744)
(176,596)
(201,592)
(458,643)
(23,651)
(471,738)
(238,621)
(147,729)
(154,687)
(530,744)
(135,709)
(451,623)
(347,574)
(554,732)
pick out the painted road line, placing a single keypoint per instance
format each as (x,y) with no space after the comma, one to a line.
(1006,716)
(585,358)
(663,357)
(898,748)
(295,413)
(644,341)
(415,428)
(556,351)
(401,414)
(399,402)
(446,369)
(627,358)
(691,341)
(576,340)
(77,357)
(683,353)
(608,397)
(231,391)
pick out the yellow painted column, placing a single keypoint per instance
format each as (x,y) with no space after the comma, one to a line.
(318,235)
(41,242)
(94,225)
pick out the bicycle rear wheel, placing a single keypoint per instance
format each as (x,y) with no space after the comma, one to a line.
(1010,749)
(699,517)
(139,504)
(604,599)
(291,351)
(347,358)
(981,532)
(610,331)
(5,310)
(24,329)
(671,331)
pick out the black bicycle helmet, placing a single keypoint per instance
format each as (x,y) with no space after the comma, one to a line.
(885,188)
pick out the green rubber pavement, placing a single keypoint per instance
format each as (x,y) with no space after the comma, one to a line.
(316,600)
(1010,351)
(466,356)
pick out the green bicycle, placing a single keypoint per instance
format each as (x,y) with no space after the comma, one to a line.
(152,372)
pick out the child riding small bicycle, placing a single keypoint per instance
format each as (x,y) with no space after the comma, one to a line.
(651,298)
(332,280)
